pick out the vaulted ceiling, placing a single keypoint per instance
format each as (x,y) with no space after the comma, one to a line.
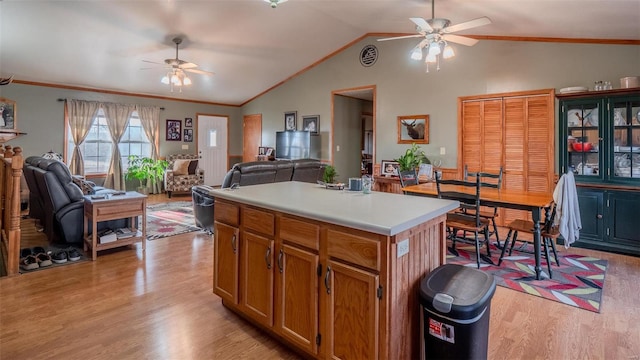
(248,45)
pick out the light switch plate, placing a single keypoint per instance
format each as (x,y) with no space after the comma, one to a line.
(185,147)
(403,248)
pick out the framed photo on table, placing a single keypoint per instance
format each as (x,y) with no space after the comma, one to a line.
(389,168)
(290,121)
(7,114)
(174,130)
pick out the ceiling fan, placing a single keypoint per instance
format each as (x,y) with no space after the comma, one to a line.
(437,32)
(177,68)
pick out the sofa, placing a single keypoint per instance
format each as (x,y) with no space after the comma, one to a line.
(253,173)
(56,201)
(182,173)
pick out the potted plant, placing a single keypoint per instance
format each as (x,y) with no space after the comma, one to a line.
(412,158)
(146,170)
(330,174)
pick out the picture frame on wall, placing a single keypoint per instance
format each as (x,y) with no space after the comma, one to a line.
(174,130)
(291,121)
(188,122)
(389,168)
(188,135)
(413,129)
(311,123)
(7,114)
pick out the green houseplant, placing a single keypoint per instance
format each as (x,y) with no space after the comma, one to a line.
(146,170)
(412,158)
(330,174)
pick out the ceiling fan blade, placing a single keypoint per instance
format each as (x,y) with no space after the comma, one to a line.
(422,24)
(188,65)
(401,37)
(201,72)
(460,39)
(152,62)
(468,25)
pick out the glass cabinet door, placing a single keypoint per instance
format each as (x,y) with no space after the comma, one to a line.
(583,138)
(625,115)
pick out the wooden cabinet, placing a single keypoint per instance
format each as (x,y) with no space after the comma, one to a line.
(514,131)
(225,262)
(606,165)
(320,287)
(353,311)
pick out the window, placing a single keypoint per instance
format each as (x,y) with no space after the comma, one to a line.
(97,147)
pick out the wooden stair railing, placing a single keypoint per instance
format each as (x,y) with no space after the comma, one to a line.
(10,173)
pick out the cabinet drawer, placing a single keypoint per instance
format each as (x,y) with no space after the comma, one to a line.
(354,249)
(226,213)
(260,221)
(300,232)
(120,208)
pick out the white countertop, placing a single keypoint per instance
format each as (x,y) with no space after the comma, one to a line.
(377,212)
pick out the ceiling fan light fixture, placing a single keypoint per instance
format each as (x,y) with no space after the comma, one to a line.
(416,53)
(186,81)
(434,49)
(430,58)
(175,80)
(165,79)
(448,52)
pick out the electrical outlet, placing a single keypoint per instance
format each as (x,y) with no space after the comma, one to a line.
(185,147)
(403,248)
(442,150)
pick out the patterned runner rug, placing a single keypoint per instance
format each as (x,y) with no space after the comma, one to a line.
(578,281)
(170,219)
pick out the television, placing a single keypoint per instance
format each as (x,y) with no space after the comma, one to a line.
(297,145)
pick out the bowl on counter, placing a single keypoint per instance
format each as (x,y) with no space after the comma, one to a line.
(582,147)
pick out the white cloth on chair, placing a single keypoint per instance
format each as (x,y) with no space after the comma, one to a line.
(567,209)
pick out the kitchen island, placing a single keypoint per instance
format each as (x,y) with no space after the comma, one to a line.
(332,273)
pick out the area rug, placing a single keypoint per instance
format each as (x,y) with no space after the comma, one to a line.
(578,281)
(169,219)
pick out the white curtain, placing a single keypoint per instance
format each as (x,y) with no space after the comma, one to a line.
(80,114)
(117,116)
(150,118)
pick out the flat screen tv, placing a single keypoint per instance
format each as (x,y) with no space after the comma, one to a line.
(297,145)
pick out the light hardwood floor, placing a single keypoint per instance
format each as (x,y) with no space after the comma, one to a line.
(159,305)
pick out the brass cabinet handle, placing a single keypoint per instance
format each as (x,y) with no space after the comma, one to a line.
(326,280)
(280,255)
(267,257)
(233,244)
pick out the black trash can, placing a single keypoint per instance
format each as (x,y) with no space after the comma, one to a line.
(456,302)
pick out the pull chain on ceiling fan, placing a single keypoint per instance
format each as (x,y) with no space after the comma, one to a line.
(437,33)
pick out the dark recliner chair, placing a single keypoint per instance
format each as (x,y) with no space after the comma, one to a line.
(36,205)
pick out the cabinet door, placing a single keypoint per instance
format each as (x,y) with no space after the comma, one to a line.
(257,278)
(625,140)
(352,312)
(591,214)
(582,123)
(225,255)
(622,220)
(297,297)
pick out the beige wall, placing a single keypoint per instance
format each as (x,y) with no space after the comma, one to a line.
(41,116)
(403,88)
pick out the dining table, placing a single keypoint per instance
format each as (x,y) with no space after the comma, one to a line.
(533,202)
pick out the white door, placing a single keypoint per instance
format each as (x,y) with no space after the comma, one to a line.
(213,147)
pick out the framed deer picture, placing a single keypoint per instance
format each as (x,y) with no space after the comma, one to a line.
(413,129)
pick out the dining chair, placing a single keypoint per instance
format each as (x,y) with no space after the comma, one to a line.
(490,180)
(548,235)
(468,220)
(407,178)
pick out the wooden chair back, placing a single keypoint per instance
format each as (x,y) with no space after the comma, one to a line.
(487,179)
(469,200)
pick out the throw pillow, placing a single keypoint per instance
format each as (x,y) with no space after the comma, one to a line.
(193,165)
(181,167)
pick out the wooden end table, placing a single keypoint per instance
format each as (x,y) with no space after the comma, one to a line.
(112,207)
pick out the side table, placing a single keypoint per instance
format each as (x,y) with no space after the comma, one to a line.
(111,207)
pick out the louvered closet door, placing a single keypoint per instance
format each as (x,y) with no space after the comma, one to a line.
(528,149)
(513,130)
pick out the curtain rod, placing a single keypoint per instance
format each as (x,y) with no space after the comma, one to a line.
(65,99)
